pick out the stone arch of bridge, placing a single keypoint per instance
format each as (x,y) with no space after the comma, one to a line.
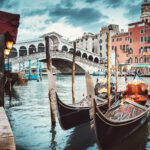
(56,41)
(65,66)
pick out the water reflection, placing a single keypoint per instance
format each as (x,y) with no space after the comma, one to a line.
(79,136)
(53,135)
(136,141)
(29,116)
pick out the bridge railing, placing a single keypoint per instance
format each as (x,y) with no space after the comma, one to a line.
(42,55)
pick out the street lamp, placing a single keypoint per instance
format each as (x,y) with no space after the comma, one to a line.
(9,45)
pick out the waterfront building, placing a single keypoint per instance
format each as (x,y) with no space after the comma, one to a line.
(121,44)
(97,43)
(133,47)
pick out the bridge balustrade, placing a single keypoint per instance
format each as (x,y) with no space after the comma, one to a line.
(42,55)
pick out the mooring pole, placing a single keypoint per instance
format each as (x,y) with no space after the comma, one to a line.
(108,69)
(37,69)
(29,69)
(2,45)
(49,67)
(116,69)
(40,71)
(73,73)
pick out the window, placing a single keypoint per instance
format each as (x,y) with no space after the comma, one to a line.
(130,51)
(100,41)
(130,40)
(148,39)
(113,40)
(123,47)
(127,48)
(136,60)
(126,38)
(130,60)
(141,60)
(126,55)
(145,31)
(100,47)
(145,38)
(120,47)
(120,39)
(141,38)
(141,50)
(112,47)
(141,31)
(100,54)
(130,33)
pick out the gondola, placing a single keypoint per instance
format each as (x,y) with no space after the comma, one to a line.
(123,119)
(71,115)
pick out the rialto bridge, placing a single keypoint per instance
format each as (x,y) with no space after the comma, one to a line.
(61,51)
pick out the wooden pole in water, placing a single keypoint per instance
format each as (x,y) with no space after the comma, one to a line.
(116,69)
(108,69)
(49,67)
(73,73)
(2,45)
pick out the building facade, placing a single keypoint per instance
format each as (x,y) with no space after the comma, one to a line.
(133,47)
(97,43)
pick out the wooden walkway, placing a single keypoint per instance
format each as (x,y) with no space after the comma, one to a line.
(7,141)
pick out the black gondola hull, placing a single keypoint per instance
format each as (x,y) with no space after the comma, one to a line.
(70,116)
(108,134)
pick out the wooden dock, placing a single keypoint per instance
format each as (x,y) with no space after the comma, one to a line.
(7,141)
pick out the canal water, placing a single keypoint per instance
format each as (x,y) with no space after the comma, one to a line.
(29,115)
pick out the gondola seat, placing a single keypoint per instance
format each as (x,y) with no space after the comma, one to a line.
(138,92)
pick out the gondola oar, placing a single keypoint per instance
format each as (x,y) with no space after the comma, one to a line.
(51,81)
(73,73)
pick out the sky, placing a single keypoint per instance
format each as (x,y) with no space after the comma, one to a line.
(70,18)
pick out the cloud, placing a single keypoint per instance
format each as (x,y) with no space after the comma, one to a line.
(133,11)
(9,4)
(77,16)
(113,3)
(91,1)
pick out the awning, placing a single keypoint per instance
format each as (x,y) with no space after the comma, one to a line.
(141,65)
(9,25)
(123,64)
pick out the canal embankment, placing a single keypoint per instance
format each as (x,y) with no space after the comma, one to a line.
(7,141)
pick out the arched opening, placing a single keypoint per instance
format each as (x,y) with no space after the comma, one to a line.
(32,49)
(71,50)
(141,60)
(41,47)
(130,51)
(141,50)
(64,48)
(22,51)
(55,42)
(84,55)
(13,53)
(78,53)
(91,58)
(130,60)
(96,60)
(136,60)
